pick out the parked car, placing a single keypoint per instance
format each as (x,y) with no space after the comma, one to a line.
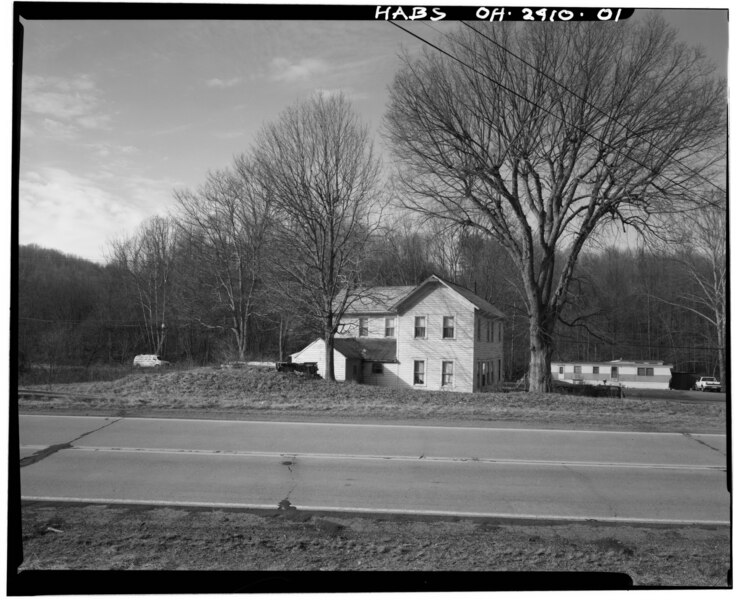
(149,360)
(710,384)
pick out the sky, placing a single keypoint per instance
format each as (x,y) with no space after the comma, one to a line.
(115,115)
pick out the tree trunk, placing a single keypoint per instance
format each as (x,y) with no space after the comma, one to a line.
(540,369)
(329,374)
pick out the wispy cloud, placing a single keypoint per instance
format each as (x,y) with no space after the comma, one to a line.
(223,83)
(64,106)
(81,214)
(287,71)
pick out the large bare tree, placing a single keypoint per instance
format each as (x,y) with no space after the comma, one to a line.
(540,136)
(147,259)
(700,249)
(318,161)
(226,224)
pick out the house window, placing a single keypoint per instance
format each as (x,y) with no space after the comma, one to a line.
(376,367)
(596,370)
(447,372)
(479,330)
(363,326)
(419,372)
(484,366)
(645,371)
(500,371)
(561,370)
(500,332)
(448,332)
(420,327)
(390,327)
(578,369)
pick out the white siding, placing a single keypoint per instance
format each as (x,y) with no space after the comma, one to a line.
(316,352)
(349,326)
(627,374)
(436,303)
(388,377)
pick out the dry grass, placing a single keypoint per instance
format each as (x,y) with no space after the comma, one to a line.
(263,391)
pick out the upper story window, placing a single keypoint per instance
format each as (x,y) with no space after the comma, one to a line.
(479,330)
(420,327)
(448,328)
(390,327)
(490,334)
(363,326)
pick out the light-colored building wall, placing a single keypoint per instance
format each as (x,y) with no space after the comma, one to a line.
(434,303)
(316,353)
(388,377)
(627,374)
(349,325)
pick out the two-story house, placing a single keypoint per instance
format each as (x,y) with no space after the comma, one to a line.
(435,336)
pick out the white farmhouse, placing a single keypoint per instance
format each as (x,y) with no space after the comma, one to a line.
(635,374)
(436,335)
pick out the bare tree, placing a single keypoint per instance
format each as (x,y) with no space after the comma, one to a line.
(147,259)
(226,223)
(319,163)
(602,122)
(700,249)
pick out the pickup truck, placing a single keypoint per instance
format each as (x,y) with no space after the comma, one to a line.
(710,384)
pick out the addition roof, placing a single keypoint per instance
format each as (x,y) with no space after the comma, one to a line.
(368,349)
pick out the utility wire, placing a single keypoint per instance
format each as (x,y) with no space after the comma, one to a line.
(528,100)
(590,104)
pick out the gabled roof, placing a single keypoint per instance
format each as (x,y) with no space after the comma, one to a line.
(471,297)
(388,299)
(369,349)
(379,299)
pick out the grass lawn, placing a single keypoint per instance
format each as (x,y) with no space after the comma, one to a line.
(261,392)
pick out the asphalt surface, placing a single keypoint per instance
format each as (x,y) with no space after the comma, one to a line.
(468,471)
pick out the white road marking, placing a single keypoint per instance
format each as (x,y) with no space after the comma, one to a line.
(365,510)
(319,456)
(383,426)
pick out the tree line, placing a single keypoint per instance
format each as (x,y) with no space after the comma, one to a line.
(625,303)
(516,152)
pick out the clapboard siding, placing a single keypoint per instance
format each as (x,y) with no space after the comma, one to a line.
(388,378)
(435,303)
(488,347)
(316,352)
(349,325)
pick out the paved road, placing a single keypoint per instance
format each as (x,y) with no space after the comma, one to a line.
(441,470)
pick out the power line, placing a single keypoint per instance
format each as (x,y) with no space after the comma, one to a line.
(590,104)
(528,100)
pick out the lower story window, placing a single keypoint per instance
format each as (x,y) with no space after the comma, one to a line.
(447,372)
(419,372)
(377,367)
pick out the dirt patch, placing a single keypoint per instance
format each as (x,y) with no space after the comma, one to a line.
(263,392)
(92,537)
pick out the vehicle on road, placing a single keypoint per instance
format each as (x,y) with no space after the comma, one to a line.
(149,360)
(710,384)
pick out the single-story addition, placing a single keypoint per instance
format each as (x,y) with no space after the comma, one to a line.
(626,373)
(435,336)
